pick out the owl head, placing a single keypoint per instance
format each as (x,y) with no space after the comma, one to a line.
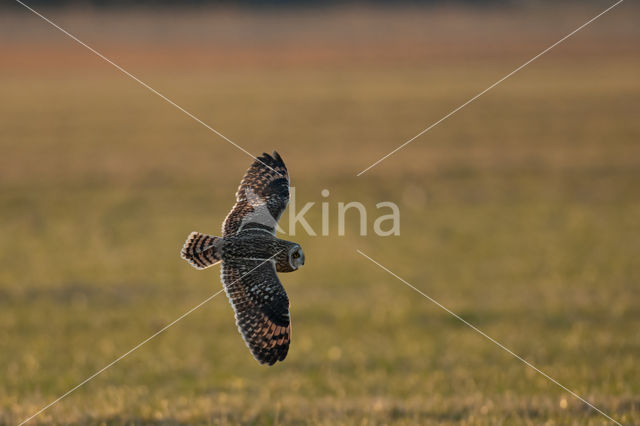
(296,257)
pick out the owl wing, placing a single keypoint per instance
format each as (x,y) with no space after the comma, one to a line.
(261,198)
(261,307)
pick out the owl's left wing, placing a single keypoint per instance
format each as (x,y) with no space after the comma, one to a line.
(261,307)
(261,198)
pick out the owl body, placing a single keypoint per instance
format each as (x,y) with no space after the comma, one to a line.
(251,255)
(251,244)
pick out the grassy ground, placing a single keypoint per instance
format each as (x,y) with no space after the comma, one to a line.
(520,213)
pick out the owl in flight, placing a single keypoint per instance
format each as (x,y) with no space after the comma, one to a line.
(251,255)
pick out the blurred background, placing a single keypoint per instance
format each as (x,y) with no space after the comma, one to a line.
(520,212)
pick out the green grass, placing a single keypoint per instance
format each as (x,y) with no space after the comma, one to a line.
(520,213)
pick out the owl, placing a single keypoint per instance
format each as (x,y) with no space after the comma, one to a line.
(251,256)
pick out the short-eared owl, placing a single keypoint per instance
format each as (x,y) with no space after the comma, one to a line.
(251,254)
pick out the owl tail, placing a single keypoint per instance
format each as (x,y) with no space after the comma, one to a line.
(202,250)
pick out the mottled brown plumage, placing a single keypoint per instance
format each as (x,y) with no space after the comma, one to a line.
(251,254)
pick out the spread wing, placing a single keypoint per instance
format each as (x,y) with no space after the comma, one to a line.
(261,306)
(261,198)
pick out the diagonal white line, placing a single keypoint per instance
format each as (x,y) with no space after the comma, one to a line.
(500,345)
(120,358)
(491,87)
(142,83)
(138,345)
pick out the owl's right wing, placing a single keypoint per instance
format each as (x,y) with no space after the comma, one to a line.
(261,307)
(261,198)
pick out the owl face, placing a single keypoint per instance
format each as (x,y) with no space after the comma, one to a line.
(296,257)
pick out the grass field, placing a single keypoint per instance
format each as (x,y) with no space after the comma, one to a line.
(520,213)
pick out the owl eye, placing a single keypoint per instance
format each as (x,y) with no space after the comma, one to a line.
(296,255)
